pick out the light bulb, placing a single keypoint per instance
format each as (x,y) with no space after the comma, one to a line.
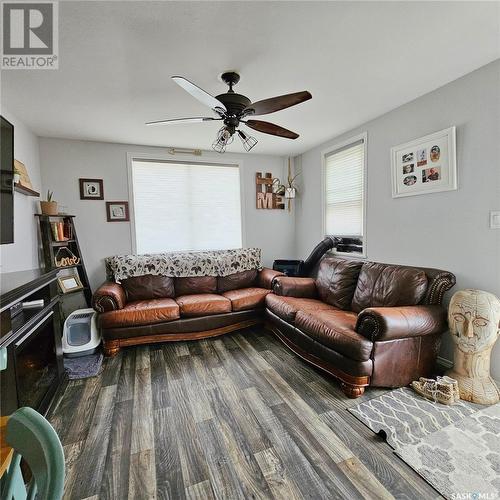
(247,141)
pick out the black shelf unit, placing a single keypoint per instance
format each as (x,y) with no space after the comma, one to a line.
(50,248)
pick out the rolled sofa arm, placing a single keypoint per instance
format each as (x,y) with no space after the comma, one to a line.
(110,296)
(439,283)
(266,277)
(389,323)
(295,287)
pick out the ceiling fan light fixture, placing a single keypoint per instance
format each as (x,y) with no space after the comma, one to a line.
(248,141)
(233,108)
(224,137)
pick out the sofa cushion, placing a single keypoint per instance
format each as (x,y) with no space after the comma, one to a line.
(383,285)
(336,281)
(286,307)
(203,304)
(244,279)
(140,312)
(335,330)
(247,298)
(148,286)
(195,284)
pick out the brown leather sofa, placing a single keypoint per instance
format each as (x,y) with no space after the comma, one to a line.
(147,309)
(366,323)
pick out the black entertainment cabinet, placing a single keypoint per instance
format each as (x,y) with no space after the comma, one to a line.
(32,339)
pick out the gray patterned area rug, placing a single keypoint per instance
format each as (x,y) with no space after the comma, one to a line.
(455,448)
(462,458)
(405,417)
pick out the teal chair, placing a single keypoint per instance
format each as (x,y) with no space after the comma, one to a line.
(35,440)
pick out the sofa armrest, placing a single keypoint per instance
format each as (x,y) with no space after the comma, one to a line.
(295,287)
(109,296)
(266,277)
(389,323)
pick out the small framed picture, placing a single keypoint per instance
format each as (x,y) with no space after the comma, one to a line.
(425,165)
(70,283)
(91,189)
(117,211)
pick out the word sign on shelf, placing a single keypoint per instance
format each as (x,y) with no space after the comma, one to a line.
(265,196)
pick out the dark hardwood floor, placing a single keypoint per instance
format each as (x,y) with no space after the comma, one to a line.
(237,416)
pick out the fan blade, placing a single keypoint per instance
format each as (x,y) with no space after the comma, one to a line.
(183,120)
(271,129)
(200,94)
(276,103)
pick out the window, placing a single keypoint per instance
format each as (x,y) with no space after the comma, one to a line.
(345,195)
(185,206)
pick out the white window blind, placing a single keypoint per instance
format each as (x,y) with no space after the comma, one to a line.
(180,206)
(344,184)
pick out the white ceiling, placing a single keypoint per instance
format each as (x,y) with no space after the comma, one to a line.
(358,59)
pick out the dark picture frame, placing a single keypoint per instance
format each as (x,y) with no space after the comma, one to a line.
(112,211)
(84,189)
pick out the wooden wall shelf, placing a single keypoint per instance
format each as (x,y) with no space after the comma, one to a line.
(25,190)
(58,216)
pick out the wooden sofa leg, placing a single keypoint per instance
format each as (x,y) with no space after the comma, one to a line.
(111,347)
(352,391)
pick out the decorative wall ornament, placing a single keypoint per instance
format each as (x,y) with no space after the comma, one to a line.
(266,198)
(278,188)
(91,189)
(64,257)
(117,211)
(291,189)
(474,318)
(425,165)
(175,151)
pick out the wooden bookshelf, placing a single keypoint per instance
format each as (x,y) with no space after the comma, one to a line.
(50,247)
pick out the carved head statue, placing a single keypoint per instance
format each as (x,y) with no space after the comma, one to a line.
(474,319)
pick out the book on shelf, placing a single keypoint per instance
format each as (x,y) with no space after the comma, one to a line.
(60,231)
(53,228)
(67,231)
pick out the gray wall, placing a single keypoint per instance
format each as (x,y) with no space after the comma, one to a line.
(447,230)
(23,253)
(63,162)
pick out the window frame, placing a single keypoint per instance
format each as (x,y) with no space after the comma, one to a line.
(326,152)
(188,160)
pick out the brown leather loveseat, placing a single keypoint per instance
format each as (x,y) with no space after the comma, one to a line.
(151,308)
(366,323)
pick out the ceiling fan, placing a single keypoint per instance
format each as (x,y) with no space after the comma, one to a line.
(234,109)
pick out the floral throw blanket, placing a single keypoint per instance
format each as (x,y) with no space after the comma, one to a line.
(183,264)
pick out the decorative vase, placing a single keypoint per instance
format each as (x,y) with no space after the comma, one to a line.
(49,207)
(473,318)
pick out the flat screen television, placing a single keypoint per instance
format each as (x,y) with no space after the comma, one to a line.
(6,182)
